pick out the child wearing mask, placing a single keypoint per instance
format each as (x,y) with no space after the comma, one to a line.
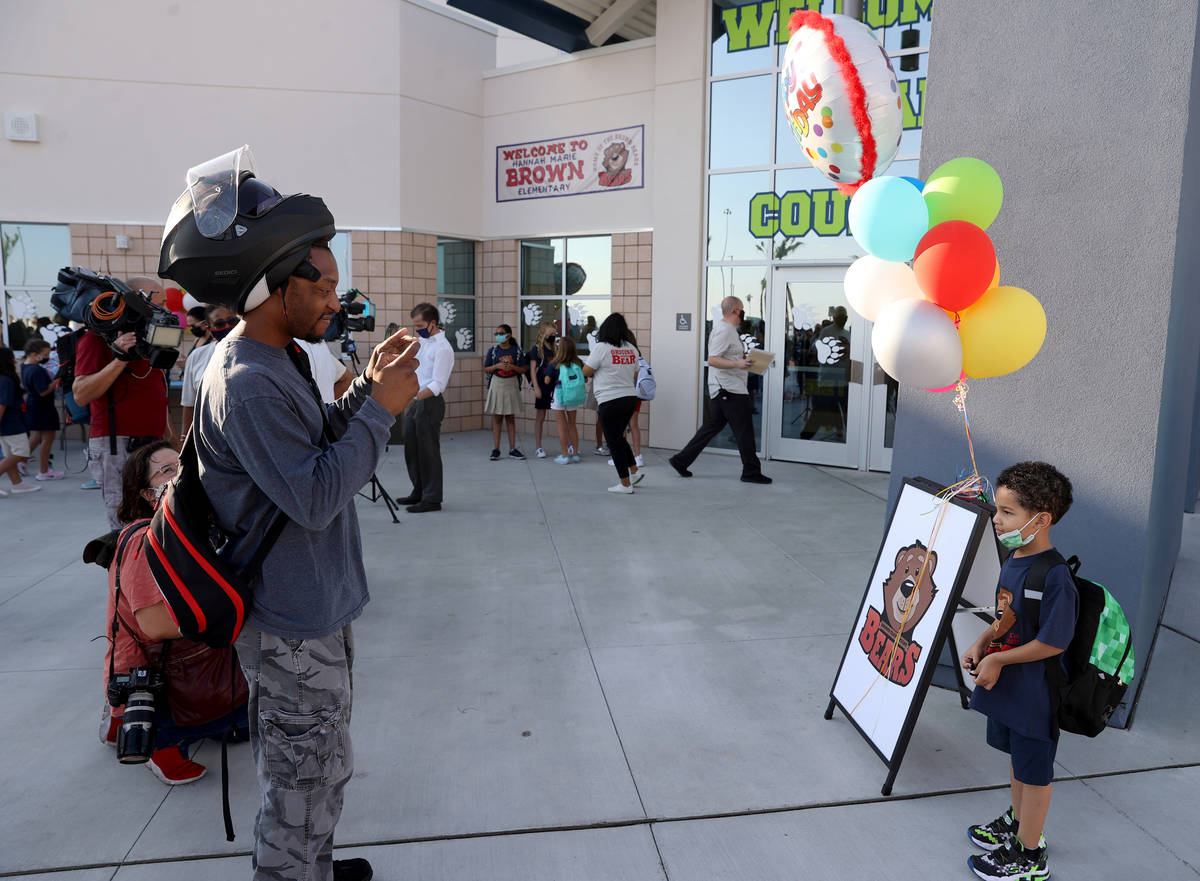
(1008,663)
(504,365)
(41,416)
(566,359)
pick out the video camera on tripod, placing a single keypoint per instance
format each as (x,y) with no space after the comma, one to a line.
(353,317)
(110,308)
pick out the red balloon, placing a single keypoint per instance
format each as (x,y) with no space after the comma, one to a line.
(175,300)
(954,264)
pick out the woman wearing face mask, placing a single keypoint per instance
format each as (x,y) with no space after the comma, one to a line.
(40,413)
(504,365)
(197,699)
(218,324)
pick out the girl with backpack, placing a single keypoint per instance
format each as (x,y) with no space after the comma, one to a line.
(570,391)
(504,364)
(613,362)
(542,377)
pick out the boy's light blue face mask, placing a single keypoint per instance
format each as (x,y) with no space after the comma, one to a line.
(1013,540)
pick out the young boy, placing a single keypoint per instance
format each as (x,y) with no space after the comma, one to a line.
(1008,664)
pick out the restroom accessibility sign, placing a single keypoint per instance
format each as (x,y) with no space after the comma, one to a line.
(596,162)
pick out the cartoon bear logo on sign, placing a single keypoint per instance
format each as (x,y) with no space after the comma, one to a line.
(908,592)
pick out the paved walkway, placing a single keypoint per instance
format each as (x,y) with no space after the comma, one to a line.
(556,683)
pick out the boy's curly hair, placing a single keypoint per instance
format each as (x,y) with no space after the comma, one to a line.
(1038,486)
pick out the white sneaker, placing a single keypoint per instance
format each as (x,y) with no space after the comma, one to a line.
(621,488)
(637,460)
(50,475)
(540,453)
(611,462)
(25,488)
(635,479)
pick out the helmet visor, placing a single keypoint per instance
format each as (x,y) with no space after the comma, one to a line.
(213,188)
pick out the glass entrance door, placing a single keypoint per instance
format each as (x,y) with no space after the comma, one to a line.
(829,405)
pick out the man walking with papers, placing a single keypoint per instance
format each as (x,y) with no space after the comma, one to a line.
(727,366)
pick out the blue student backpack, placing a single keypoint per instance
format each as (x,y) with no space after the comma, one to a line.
(572,387)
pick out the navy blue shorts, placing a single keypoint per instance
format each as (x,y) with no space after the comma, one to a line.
(1032,759)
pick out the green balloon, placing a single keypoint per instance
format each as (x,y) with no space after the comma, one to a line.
(964,189)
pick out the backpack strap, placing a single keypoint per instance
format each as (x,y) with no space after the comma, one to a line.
(300,360)
(120,554)
(1031,603)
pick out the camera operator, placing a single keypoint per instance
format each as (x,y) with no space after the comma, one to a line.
(127,401)
(193,701)
(266,444)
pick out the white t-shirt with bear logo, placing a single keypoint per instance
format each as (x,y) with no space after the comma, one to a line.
(616,371)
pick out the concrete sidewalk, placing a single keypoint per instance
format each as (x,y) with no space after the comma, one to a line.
(558,683)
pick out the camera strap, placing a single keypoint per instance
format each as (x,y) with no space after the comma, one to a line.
(129,532)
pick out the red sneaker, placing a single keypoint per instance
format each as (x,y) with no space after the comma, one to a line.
(171,767)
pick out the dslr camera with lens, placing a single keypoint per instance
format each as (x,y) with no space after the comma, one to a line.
(110,308)
(138,690)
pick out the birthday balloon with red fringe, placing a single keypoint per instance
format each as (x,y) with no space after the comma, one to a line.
(841,98)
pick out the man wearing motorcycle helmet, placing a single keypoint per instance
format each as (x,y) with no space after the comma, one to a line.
(266,444)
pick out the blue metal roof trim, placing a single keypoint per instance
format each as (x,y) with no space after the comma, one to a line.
(535,19)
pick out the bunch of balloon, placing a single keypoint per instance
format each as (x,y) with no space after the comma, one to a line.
(930,281)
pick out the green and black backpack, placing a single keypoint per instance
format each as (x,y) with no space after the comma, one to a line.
(1099,660)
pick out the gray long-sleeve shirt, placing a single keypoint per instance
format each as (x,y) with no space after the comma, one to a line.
(259,442)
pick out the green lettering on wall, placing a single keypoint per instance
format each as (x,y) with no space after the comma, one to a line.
(882,13)
(786,8)
(748,27)
(913,116)
(764,215)
(911,11)
(829,212)
(795,214)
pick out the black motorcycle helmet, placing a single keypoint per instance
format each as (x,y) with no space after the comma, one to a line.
(268,238)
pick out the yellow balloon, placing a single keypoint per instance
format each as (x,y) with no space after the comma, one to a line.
(1001,332)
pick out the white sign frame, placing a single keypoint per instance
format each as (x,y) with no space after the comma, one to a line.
(881,689)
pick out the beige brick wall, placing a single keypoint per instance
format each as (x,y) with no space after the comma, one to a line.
(398,270)
(632,257)
(94,246)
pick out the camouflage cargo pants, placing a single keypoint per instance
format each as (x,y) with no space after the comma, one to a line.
(300,697)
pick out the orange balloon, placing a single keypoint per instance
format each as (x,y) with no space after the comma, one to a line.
(995,277)
(955,263)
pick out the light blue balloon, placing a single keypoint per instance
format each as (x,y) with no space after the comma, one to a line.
(916,182)
(888,218)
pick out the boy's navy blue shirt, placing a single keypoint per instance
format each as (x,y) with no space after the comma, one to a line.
(13,420)
(1020,699)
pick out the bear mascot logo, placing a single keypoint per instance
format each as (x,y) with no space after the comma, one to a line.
(615,174)
(886,637)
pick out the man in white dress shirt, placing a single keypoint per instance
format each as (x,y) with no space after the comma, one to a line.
(423,417)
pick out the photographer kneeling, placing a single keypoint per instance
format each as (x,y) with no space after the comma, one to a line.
(178,689)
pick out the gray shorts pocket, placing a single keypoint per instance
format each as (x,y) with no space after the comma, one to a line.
(304,750)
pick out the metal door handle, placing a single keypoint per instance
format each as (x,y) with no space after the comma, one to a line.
(856,371)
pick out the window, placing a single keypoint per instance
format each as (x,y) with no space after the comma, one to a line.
(32,255)
(566,281)
(456,292)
